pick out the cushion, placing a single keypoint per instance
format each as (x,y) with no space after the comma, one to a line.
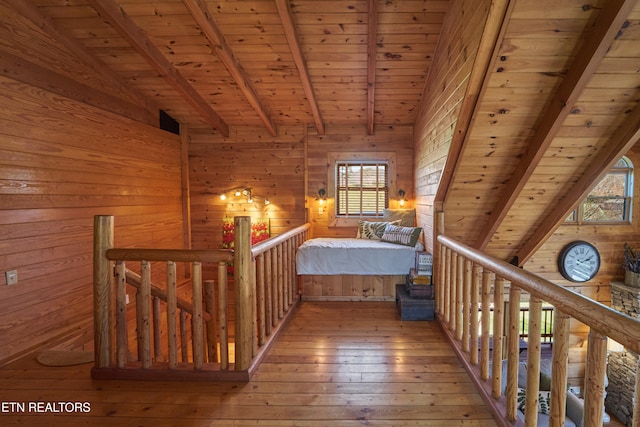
(407,236)
(407,217)
(544,401)
(372,230)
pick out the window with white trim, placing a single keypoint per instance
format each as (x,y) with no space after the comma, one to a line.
(610,201)
(362,188)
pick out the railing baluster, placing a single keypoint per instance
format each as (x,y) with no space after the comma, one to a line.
(560,358)
(446,292)
(121,314)
(157,324)
(184,342)
(280,283)
(268,314)
(488,280)
(476,288)
(262,304)
(533,363)
(285,275)
(197,331)
(466,305)
(144,314)
(453,294)
(222,316)
(594,379)
(210,324)
(459,297)
(498,332)
(172,303)
(513,353)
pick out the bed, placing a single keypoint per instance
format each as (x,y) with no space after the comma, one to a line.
(366,267)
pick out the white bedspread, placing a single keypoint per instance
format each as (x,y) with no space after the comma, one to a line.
(329,256)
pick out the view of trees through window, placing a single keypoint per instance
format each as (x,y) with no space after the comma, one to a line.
(610,200)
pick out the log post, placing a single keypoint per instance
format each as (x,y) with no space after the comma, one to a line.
(102,241)
(594,379)
(243,292)
(560,357)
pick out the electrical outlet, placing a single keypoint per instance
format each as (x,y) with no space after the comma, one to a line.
(126,298)
(11,276)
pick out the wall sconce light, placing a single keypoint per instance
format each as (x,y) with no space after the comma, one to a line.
(401,193)
(247,192)
(322,196)
(243,192)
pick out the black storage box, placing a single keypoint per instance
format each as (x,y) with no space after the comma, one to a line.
(413,308)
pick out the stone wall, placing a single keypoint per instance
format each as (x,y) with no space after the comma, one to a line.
(621,370)
(622,366)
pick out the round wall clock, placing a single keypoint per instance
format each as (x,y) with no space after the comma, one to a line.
(579,261)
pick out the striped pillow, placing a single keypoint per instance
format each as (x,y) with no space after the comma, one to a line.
(407,236)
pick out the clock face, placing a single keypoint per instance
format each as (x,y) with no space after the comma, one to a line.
(579,261)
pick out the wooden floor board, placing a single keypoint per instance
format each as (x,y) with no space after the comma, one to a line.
(335,363)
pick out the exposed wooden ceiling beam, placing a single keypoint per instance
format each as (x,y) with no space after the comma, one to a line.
(284,10)
(608,23)
(372,49)
(200,14)
(622,141)
(492,35)
(139,107)
(110,11)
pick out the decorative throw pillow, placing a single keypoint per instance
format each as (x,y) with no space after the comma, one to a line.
(407,217)
(544,401)
(407,236)
(372,230)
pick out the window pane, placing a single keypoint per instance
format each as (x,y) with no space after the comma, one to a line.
(602,209)
(613,184)
(362,189)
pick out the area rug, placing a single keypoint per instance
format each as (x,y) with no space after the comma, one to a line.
(64,358)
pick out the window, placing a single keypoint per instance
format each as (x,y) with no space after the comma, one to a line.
(610,200)
(362,188)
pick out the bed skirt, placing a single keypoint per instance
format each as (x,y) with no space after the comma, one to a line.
(349,287)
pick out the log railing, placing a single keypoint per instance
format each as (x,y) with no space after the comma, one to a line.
(469,283)
(166,326)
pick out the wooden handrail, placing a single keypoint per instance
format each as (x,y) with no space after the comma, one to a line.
(622,328)
(176,255)
(273,242)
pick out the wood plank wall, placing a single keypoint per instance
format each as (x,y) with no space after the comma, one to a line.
(272,167)
(443,98)
(62,162)
(354,139)
(610,240)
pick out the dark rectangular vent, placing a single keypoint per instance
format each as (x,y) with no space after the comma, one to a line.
(168,123)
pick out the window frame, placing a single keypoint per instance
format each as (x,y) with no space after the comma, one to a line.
(335,158)
(360,190)
(576,216)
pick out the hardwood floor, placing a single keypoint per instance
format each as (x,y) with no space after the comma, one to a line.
(335,364)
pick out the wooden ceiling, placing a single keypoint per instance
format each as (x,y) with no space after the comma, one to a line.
(558,103)
(264,62)
(559,106)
